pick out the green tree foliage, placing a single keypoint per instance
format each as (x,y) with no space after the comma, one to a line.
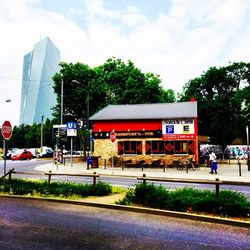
(127,84)
(114,82)
(77,83)
(26,136)
(223,96)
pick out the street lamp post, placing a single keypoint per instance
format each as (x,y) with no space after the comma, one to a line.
(88,140)
(41,133)
(61,121)
(88,130)
(62,102)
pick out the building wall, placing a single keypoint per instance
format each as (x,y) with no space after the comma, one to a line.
(128,125)
(141,131)
(105,148)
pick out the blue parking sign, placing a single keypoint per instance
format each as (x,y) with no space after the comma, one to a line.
(170,129)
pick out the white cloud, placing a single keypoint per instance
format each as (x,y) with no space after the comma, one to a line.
(178,45)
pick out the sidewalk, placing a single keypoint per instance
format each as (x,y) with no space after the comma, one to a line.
(225,171)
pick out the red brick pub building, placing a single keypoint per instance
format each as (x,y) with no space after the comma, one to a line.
(165,131)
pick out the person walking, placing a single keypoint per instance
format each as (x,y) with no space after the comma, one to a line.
(213,163)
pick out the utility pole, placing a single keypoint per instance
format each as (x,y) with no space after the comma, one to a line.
(41,133)
(88,131)
(62,102)
(248,151)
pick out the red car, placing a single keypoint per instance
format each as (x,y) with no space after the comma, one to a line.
(22,155)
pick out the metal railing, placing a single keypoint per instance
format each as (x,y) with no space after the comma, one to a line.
(215,182)
(50,174)
(94,176)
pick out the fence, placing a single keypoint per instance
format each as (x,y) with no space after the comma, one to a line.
(50,174)
(215,182)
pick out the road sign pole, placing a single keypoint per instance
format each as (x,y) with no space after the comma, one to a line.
(113,160)
(71,149)
(248,150)
(113,138)
(5,155)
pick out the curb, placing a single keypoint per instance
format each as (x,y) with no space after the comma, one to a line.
(135,209)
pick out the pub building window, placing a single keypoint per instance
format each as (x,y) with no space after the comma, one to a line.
(157,147)
(169,147)
(181,147)
(129,147)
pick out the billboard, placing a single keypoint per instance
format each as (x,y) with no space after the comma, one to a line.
(178,129)
(60,132)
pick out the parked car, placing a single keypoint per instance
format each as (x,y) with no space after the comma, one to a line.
(74,152)
(9,154)
(22,155)
(47,153)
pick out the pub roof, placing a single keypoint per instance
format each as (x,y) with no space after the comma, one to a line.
(147,111)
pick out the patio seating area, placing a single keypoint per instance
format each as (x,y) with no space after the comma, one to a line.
(150,161)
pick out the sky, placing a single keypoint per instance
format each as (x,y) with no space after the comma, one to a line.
(176,39)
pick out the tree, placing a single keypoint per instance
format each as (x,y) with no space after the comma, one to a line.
(77,83)
(26,136)
(87,90)
(128,84)
(223,101)
(114,82)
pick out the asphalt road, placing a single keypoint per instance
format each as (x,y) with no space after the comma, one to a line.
(26,165)
(44,225)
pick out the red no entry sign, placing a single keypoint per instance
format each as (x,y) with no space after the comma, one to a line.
(6,130)
(113,136)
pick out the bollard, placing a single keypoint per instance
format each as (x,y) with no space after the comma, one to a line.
(217,188)
(144,181)
(164,169)
(187,168)
(49,177)
(122,164)
(105,164)
(229,161)
(94,179)
(239,169)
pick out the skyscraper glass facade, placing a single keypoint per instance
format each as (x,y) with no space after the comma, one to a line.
(37,96)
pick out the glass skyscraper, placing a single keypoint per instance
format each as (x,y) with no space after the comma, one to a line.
(37,96)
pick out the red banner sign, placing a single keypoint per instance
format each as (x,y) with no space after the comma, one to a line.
(174,137)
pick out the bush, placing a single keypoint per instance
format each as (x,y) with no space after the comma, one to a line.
(62,189)
(150,196)
(230,203)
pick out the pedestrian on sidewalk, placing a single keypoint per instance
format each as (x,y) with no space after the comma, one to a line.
(213,162)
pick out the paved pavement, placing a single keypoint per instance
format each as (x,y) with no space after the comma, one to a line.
(225,171)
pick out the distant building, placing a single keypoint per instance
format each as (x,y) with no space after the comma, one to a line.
(37,96)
